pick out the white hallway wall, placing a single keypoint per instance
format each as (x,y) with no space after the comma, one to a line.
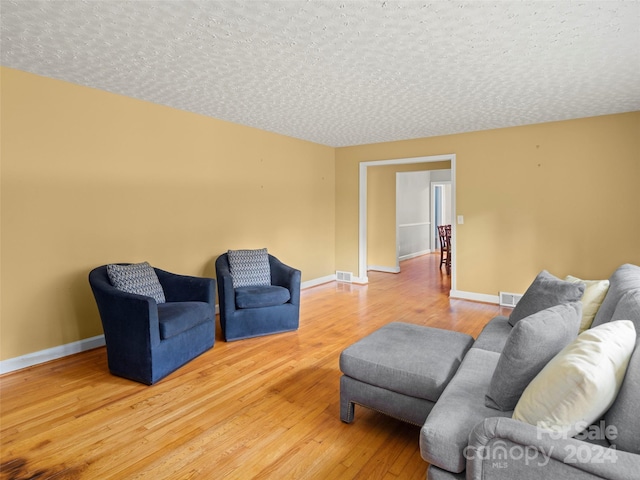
(414,210)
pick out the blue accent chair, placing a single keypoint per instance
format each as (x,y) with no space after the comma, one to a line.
(147,341)
(247,312)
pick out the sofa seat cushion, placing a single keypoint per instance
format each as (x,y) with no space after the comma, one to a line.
(494,335)
(414,360)
(177,317)
(261,296)
(445,434)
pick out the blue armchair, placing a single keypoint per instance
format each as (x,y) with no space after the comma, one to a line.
(147,340)
(252,311)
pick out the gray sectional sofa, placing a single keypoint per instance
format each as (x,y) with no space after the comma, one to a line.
(469,431)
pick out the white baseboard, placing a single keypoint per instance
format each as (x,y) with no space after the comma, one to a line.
(317,281)
(413,255)
(49,354)
(477,297)
(60,351)
(35,358)
(378,268)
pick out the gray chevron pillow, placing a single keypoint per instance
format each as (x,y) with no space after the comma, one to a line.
(249,267)
(138,278)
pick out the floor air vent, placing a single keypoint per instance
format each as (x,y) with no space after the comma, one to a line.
(509,299)
(344,276)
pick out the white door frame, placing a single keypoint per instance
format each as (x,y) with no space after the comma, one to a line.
(362,220)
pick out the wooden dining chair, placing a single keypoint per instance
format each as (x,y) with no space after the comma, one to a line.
(444,232)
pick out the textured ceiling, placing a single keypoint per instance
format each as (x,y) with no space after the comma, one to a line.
(342,72)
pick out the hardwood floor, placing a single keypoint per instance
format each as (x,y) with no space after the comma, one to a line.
(263,408)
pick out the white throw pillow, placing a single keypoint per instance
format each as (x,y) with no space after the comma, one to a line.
(580,383)
(594,294)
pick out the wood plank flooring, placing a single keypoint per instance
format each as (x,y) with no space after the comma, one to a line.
(263,408)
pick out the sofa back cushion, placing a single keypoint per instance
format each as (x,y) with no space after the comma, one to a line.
(623,414)
(628,308)
(625,278)
(494,335)
(546,291)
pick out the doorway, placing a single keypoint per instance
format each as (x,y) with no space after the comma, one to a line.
(362,214)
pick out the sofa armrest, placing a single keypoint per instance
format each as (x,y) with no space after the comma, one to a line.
(502,448)
(185,288)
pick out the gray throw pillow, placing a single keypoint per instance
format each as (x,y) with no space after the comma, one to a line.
(249,268)
(533,341)
(546,291)
(138,278)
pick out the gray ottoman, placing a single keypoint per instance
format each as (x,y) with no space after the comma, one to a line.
(400,370)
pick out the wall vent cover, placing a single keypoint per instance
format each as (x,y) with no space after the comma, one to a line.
(344,276)
(509,299)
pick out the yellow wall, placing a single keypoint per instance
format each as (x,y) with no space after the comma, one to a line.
(381,210)
(561,196)
(90,178)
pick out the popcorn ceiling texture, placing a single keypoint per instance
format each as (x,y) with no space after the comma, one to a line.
(342,73)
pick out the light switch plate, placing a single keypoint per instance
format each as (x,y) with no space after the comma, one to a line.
(460,219)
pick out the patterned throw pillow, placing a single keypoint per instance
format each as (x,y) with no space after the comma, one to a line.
(249,267)
(138,278)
